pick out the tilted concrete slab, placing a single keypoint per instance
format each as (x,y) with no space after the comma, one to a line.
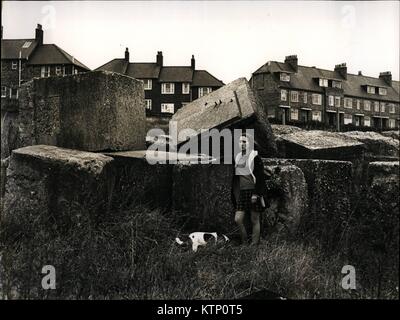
(93,111)
(317,144)
(232,106)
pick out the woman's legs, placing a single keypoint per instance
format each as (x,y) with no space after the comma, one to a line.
(239,219)
(255,220)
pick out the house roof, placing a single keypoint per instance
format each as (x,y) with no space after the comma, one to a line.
(176,74)
(143,70)
(304,79)
(115,65)
(10,48)
(203,78)
(52,54)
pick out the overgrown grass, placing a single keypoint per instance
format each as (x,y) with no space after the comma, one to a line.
(131,254)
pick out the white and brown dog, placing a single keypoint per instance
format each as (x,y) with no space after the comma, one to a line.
(197,239)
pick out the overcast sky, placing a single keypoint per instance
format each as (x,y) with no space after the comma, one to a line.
(229,39)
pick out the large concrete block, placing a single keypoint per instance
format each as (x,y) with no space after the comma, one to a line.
(232,106)
(317,144)
(330,196)
(94,111)
(50,180)
(377,145)
(202,197)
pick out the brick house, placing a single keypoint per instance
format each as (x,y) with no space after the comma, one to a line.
(24,59)
(167,88)
(298,94)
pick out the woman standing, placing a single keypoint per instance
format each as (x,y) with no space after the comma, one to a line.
(248,188)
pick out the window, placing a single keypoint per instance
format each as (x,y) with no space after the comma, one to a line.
(337,102)
(316,116)
(148,104)
(168,88)
(203,91)
(316,98)
(167,107)
(358,104)
(283,95)
(336,84)
(294,114)
(75,71)
(284,77)
(392,108)
(383,107)
(45,71)
(148,84)
(376,106)
(294,96)
(383,91)
(392,123)
(348,103)
(323,82)
(14,93)
(185,88)
(64,71)
(305,97)
(14,65)
(367,121)
(27,44)
(371,89)
(331,101)
(3,91)
(367,105)
(348,119)
(58,71)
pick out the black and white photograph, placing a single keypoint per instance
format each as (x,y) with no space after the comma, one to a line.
(213,151)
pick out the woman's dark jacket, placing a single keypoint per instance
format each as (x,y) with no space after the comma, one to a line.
(260,186)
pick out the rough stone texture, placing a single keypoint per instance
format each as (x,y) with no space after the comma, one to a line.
(292,205)
(49,180)
(376,144)
(330,190)
(392,134)
(135,181)
(202,195)
(317,144)
(92,111)
(280,129)
(9,133)
(232,106)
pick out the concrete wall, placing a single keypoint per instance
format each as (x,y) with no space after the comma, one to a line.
(91,111)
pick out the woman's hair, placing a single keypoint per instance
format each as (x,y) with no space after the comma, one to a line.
(250,139)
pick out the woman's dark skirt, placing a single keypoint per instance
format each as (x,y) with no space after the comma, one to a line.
(244,203)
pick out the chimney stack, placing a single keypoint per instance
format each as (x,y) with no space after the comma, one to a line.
(127,54)
(342,70)
(292,61)
(193,62)
(39,34)
(387,77)
(159,58)
(360,73)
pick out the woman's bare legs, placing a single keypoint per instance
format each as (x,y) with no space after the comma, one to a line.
(255,220)
(239,219)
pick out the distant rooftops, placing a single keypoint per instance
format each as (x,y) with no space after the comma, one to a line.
(303,77)
(36,52)
(156,70)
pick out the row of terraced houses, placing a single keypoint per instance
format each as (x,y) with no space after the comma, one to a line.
(291,93)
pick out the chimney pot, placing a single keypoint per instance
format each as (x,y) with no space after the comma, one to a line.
(387,77)
(159,58)
(292,61)
(127,54)
(39,34)
(342,70)
(193,62)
